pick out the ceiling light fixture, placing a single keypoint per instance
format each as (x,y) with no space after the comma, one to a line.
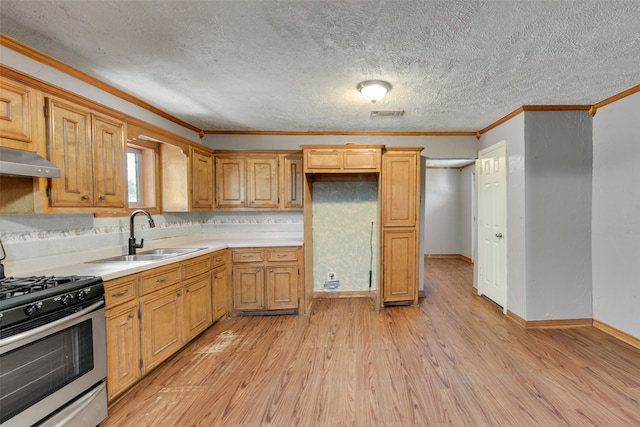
(374,90)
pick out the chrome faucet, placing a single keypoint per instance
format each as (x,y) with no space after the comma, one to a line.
(132,240)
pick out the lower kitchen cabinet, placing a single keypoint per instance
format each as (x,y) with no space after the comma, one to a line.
(282,287)
(400,264)
(162,330)
(197,306)
(123,342)
(265,279)
(220,287)
(248,287)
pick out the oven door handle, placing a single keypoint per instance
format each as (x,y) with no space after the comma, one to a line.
(51,325)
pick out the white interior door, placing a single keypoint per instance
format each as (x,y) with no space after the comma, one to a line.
(492,204)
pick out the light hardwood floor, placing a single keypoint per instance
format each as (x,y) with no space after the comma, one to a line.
(454,360)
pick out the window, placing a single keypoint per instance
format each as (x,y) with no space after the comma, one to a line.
(134,177)
(142,173)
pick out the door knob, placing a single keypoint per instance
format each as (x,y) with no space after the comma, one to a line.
(499,235)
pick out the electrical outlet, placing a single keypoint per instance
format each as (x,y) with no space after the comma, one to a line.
(331,276)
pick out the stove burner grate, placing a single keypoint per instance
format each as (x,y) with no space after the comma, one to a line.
(11,287)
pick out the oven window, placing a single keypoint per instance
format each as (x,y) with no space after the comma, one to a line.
(32,372)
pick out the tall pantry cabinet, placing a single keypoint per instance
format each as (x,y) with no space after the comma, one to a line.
(400,225)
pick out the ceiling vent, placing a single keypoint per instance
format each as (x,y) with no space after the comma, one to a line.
(387,113)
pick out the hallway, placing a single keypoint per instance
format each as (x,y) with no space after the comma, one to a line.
(454,360)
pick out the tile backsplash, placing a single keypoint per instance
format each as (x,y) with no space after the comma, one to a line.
(33,236)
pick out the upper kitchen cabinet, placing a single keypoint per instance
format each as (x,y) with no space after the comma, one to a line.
(90,150)
(349,158)
(20,124)
(400,187)
(258,180)
(202,179)
(292,179)
(187,178)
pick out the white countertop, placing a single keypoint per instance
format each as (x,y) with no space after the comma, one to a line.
(113,270)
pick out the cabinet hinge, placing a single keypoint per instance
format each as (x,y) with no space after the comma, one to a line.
(139,313)
(140,363)
(48,191)
(45,110)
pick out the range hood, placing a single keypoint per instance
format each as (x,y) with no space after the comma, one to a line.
(26,163)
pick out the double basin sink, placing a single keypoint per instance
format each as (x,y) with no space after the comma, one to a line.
(150,255)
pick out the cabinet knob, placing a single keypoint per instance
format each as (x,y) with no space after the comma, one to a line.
(102,197)
(85,197)
(179,294)
(130,316)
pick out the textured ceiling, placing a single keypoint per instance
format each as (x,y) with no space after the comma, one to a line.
(294,65)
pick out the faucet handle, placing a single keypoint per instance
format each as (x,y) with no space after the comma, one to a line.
(141,244)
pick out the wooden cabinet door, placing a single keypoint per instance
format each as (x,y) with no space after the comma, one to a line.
(292,181)
(123,348)
(109,162)
(202,180)
(361,159)
(282,287)
(323,160)
(197,306)
(230,182)
(262,182)
(162,327)
(248,287)
(220,293)
(18,115)
(400,189)
(399,281)
(71,150)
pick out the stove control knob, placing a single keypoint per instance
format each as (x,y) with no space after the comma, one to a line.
(81,295)
(33,309)
(65,299)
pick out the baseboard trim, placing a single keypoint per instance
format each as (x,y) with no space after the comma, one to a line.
(345,294)
(617,333)
(549,324)
(458,256)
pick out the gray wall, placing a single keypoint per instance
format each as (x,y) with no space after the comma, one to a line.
(448,211)
(436,147)
(616,215)
(512,132)
(558,158)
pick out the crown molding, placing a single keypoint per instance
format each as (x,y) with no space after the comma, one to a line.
(36,55)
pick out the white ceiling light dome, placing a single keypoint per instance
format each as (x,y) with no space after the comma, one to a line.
(374,90)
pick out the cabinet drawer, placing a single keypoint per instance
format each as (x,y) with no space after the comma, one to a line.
(193,267)
(120,290)
(282,254)
(159,278)
(248,255)
(219,259)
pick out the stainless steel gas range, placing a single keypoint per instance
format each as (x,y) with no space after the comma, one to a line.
(52,351)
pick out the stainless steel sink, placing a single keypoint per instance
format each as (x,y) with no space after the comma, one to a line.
(133,258)
(170,251)
(150,255)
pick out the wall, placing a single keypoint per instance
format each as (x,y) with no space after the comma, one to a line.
(467,210)
(616,215)
(343,213)
(558,161)
(512,132)
(436,147)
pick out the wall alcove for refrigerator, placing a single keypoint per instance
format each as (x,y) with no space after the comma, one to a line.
(393,175)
